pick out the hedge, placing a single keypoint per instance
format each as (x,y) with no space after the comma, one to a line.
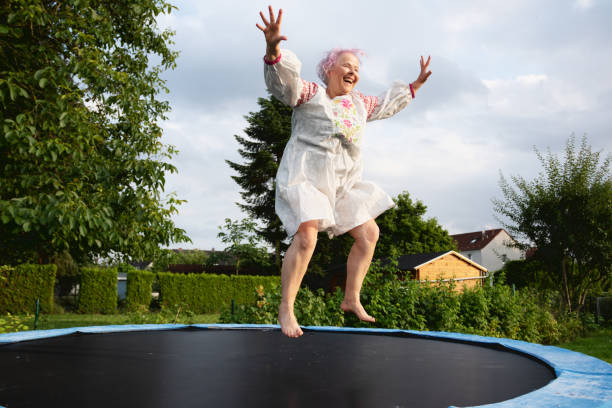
(21,285)
(98,291)
(139,287)
(209,293)
(398,302)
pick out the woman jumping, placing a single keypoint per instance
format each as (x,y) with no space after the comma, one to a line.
(318,184)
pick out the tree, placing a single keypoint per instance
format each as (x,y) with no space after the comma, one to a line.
(403,230)
(566,213)
(267,134)
(243,243)
(82,161)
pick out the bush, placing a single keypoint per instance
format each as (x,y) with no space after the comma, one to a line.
(21,285)
(392,298)
(397,302)
(527,273)
(139,288)
(311,309)
(12,323)
(98,291)
(208,293)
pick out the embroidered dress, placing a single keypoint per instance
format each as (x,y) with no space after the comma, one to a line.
(319,176)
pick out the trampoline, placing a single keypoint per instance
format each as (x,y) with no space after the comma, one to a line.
(256,366)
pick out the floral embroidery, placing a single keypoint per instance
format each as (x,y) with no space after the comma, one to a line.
(370,102)
(309,89)
(346,120)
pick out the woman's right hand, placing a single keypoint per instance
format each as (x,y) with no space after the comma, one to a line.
(272,33)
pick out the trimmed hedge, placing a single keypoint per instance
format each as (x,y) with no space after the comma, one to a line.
(139,287)
(209,293)
(98,291)
(21,285)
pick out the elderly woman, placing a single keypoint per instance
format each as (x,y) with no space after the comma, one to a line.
(318,184)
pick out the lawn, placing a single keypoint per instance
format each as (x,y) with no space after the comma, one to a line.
(597,344)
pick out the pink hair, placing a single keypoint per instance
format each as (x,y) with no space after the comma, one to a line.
(331,57)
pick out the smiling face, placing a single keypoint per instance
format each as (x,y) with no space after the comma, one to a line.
(343,75)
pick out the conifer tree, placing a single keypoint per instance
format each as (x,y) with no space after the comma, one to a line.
(267,134)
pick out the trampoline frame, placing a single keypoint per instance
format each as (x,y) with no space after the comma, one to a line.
(582,381)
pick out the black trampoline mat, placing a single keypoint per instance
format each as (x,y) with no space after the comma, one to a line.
(260,368)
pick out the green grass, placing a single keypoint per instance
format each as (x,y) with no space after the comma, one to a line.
(597,344)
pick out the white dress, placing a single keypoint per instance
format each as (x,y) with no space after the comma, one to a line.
(319,176)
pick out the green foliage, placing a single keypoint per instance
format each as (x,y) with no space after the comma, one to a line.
(167,257)
(266,136)
(13,323)
(527,273)
(21,285)
(139,287)
(207,293)
(400,303)
(244,245)
(392,298)
(67,275)
(566,214)
(311,309)
(98,291)
(83,165)
(404,231)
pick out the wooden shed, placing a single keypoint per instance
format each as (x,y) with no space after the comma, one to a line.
(444,266)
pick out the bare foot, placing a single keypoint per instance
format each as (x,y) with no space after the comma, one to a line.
(288,322)
(355,307)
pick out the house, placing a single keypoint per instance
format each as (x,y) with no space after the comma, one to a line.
(489,248)
(444,266)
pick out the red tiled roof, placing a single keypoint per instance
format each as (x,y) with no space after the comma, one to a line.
(473,241)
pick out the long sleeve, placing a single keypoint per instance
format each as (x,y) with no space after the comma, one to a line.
(392,101)
(283,78)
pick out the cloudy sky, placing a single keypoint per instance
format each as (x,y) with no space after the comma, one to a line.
(507,76)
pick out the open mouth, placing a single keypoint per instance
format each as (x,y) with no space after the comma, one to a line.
(349,81)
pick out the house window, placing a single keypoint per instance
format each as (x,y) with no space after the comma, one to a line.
(504,258)
(469,256)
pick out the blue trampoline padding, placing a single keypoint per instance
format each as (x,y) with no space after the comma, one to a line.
(582,381)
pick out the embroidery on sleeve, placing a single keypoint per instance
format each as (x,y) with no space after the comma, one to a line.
(309,89)
(370,103)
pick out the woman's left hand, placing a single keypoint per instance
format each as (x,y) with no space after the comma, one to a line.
(424,73)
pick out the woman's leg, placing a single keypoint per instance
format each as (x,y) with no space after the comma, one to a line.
(366,236)
(294,267)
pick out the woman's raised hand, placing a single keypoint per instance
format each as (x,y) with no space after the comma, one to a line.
(424,73)
(272,33)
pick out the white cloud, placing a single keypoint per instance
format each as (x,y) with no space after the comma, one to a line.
(506,76)
(584,4)
(534,95)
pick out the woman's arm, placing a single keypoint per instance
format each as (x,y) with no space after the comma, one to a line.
(423,75)
(272,33)
(282,71)
(396,97)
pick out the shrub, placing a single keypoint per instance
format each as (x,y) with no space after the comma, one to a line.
(392,298)
(98,291)
(311,309)
(12,323)
(474,311)
(139,288)
(397,302)
(209,293)
(21,285)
